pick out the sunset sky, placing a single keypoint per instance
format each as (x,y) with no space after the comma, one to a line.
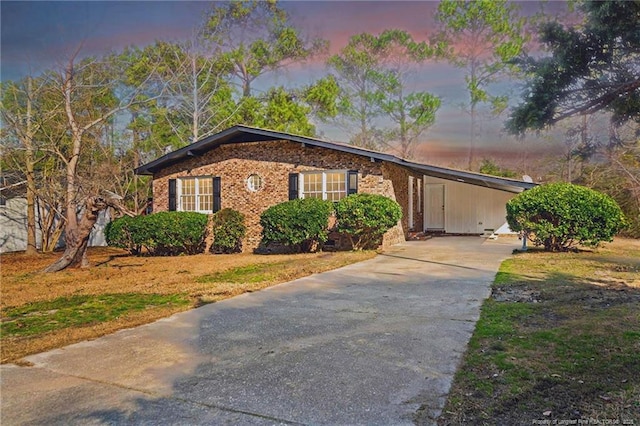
(36,36)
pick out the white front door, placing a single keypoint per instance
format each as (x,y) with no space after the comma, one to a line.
(434,206)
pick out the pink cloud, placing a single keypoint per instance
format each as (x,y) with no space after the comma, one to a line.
(338,21)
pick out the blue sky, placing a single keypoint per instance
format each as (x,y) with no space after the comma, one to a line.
(36,36)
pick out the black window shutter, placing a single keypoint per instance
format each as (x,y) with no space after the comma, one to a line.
(172,195)
(293,185)
(352,182)
(217,194)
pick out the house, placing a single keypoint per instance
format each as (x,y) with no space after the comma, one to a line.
(13,220)
(250,169)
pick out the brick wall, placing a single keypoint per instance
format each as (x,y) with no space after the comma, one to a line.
(273,161)
(399,177)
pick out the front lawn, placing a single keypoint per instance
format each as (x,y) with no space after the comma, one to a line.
(45,311)
(558,342)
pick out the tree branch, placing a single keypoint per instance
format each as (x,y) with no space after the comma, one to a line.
(598,103)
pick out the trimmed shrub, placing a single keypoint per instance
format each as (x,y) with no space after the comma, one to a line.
(228,231)
(118,234)
(561,215)
(178,232)
(364,218)
(300,224)
(161,234)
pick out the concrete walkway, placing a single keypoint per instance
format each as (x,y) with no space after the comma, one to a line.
(372,343)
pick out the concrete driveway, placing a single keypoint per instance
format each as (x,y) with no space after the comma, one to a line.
(372,343)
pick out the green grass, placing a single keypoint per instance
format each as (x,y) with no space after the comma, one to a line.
(561,333)
(255,273)
(500,320)
(77,311)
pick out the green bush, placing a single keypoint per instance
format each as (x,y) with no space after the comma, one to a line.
(299,224)
(364,218)
(118,234)
(561,215)
(161,234)
(228,231)
(488,167)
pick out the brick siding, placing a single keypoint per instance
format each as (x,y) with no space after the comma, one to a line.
(273,161)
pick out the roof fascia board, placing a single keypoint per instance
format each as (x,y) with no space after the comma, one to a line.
(486,181)
(227,137)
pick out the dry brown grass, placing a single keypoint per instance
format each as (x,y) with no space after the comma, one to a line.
(114,271)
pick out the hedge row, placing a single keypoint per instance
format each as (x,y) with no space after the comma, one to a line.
(302,225)
(174,233)
(556,216)
(159,234)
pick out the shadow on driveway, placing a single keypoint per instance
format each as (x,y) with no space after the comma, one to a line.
(370,343)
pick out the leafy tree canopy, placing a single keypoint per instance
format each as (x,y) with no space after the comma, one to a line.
(256,37)
(373,74)
(481,37)
(592,67)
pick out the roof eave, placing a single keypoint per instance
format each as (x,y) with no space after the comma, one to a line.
(252,134)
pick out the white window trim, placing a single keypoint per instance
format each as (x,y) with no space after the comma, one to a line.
(324,181)
(197,193)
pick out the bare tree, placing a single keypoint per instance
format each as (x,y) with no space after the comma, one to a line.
(22,113)
(92,92)
(197,100)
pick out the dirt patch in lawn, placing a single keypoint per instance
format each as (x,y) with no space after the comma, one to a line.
(43,311)
(558,342)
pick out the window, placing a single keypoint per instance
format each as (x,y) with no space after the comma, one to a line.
(328,185)
(335,186)
(312,185)
(254,182)
(195,194)
(187,195)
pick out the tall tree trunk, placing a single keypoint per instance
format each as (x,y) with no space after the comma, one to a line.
(364,130)
(31,184)
(473,87)
(31,205)
(136,164)
(404,137)
(71,208)
(196,107)
(75,252)
(246,79)
(51,227)
(472,139)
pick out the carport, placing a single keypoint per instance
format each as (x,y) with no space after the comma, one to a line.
(458,202)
